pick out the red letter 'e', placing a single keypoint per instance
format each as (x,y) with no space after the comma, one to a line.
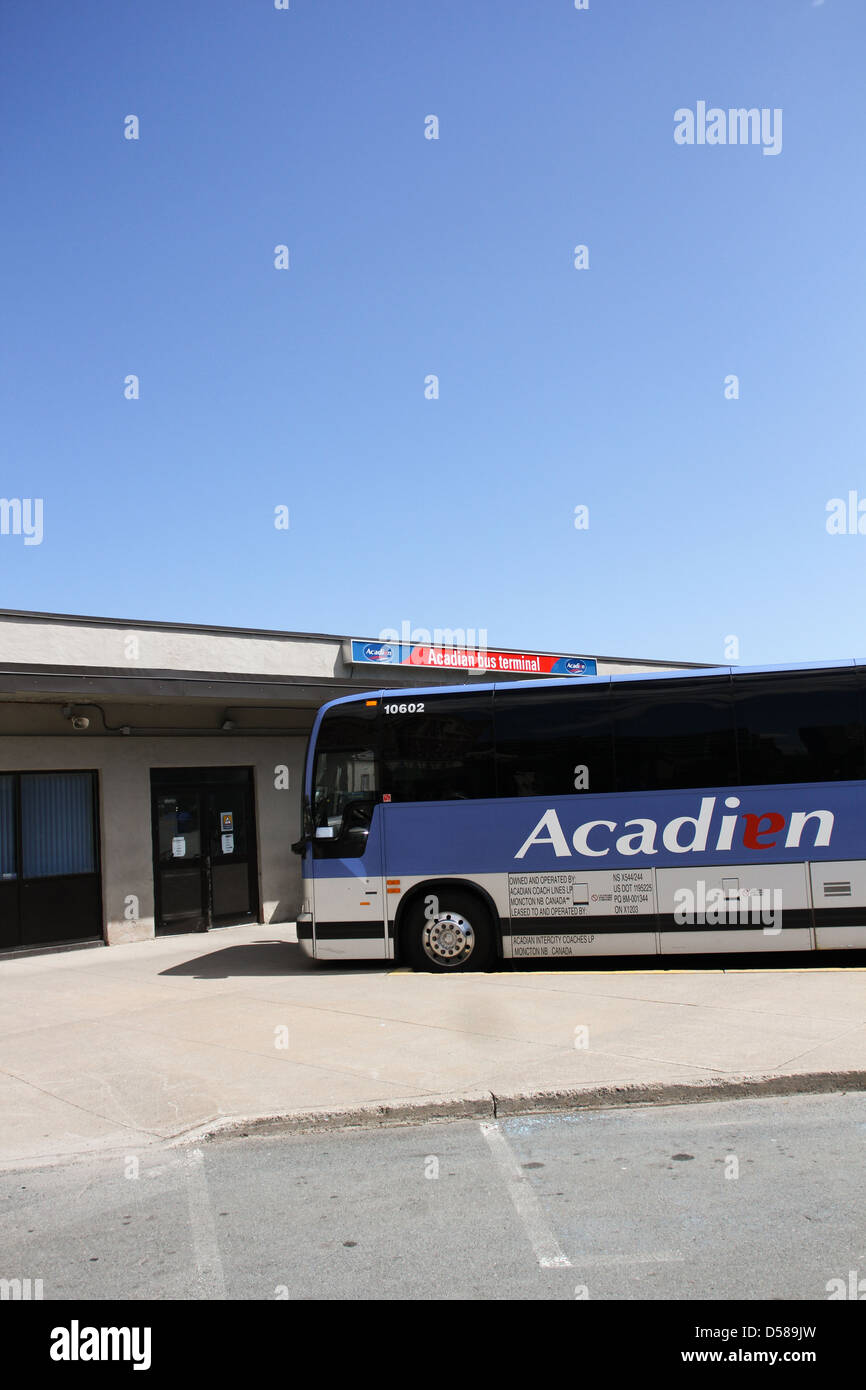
(753,829)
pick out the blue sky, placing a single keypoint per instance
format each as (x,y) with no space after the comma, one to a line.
(558,387)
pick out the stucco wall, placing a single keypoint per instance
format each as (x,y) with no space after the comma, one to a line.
(125,645)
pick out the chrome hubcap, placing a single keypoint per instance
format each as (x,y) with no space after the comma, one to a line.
(448,939)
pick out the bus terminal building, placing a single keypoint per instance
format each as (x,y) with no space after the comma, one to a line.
(151,773)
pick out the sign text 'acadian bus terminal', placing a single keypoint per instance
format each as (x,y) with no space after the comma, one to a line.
(469,659)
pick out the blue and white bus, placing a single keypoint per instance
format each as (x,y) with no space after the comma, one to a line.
(686,811)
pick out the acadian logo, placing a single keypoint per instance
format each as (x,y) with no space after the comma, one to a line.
(374,653)
(77,1343)
(682,835)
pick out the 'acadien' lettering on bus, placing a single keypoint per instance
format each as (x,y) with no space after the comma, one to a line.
(682,834)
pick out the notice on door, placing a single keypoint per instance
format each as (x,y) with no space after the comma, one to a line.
(178,847)
(228,844)
(227,822)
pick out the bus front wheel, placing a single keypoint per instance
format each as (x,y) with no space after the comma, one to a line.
(449,930)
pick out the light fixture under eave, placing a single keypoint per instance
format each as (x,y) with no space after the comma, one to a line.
(227,724)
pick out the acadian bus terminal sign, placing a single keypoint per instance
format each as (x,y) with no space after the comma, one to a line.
(377,653)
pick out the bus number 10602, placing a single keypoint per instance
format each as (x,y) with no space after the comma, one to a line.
(405,709)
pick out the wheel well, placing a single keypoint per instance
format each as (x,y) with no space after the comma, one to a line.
(431,885)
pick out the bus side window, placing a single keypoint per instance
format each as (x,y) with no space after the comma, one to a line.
(553,742)
(674,733)
(799,729)
(442,753)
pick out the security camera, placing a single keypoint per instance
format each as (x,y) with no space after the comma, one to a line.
(79,722)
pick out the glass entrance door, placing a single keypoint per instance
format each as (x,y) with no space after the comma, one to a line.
(181,873)
(226,818)
(204,848)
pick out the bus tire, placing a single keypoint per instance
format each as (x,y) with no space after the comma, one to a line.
(448,930)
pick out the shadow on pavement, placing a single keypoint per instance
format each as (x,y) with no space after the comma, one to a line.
(268,958)
(263,958)
(785,960)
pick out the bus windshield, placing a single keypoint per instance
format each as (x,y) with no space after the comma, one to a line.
(345,777)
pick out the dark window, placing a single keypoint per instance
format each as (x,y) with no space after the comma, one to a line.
(440,750)
(7,827)
(346,779)
(799,728)
(57,824)
(674,734)
(544,736)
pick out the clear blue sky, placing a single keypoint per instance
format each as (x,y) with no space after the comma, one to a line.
(409,256)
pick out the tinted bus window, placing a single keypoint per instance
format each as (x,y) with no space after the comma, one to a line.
(799,728)
(437,748)
(346,775)
(674,734)
(544,736)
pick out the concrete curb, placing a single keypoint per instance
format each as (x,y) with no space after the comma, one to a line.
(488,1106)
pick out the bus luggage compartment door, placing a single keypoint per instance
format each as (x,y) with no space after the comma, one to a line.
(348,887)
(734,907)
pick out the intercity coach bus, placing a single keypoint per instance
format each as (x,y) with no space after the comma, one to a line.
(711,811)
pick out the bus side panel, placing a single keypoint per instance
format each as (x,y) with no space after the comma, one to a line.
(599,875)
(735,907)
(349,903)
(839,898)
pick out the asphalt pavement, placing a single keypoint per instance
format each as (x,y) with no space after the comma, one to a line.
(722,1200)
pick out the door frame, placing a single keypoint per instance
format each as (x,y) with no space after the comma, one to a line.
(165,781)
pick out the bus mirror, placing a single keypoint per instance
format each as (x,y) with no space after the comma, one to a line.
(324,832)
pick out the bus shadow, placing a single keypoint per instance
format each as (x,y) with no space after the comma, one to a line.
(785,960)
(264,959)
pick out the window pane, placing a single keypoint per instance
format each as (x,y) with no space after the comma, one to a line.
(674,734)
(442,751)
(348,726)
(178,832)
(343,775)
(543,736)
(57,824)
(799,728)
(346,779)
(346,763)
(7,826)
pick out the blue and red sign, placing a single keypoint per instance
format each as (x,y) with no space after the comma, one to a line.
(469,659)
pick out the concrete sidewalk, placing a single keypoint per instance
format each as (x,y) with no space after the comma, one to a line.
(130,1045)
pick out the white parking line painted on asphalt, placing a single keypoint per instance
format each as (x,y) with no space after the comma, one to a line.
(664,1257)
(208,1264)
(547,1249)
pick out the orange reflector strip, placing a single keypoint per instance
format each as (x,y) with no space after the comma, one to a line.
(393,880)
(371,702)
(365,904)
(393,890)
